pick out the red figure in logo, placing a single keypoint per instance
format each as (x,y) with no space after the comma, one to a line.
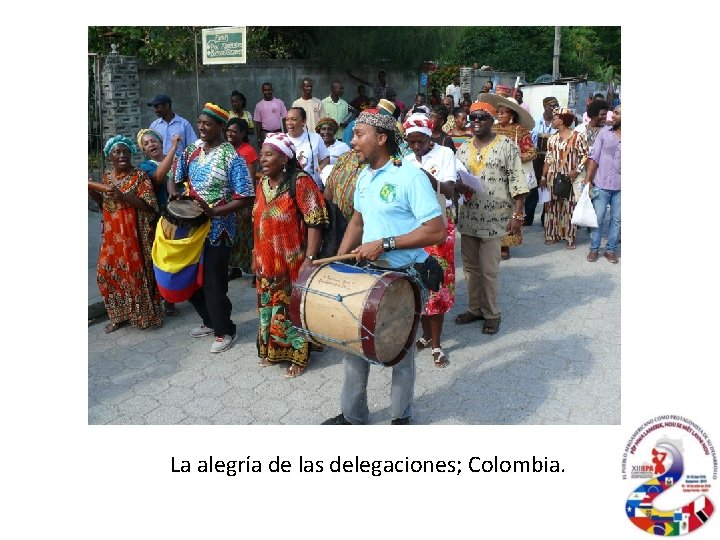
(658,459)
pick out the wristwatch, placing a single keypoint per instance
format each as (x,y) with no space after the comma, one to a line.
(388,244)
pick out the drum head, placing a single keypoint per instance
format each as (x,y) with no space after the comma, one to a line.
(184,209)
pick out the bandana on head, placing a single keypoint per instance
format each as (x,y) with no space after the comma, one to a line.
(418,123)
(377,118)
(119,139)
(280,142)
(547,100)
(216,112)
(327,121)
(481,106)
(154,134)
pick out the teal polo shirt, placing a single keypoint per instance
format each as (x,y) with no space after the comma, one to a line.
(395,201)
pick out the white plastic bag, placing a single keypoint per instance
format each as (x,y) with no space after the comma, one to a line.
(543,195)
(584,214)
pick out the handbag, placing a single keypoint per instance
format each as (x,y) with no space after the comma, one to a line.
(527,167)
(431,273)
(562,186)
(584,214)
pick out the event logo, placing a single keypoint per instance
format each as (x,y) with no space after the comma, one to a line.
(388,193)
(657,453)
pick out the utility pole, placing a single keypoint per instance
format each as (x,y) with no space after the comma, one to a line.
(556,55)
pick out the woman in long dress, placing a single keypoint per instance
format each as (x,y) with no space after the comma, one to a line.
(124,269)
(566,154)
(287,237)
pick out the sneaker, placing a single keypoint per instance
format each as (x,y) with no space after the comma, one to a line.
(222,343)
(400,421)
(592,256)
(201,331)
(338,420)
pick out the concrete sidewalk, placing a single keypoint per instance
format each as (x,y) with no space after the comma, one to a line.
(555,360)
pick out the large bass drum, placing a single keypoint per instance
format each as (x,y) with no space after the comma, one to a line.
(370,313)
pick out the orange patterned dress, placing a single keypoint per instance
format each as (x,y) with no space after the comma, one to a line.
(280,237)
(125,270)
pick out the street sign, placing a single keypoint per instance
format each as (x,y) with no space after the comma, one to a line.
(224,45)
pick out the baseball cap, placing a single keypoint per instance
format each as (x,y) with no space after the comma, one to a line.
(160,98)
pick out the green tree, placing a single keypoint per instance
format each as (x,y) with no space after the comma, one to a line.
(391,47)
(583,50)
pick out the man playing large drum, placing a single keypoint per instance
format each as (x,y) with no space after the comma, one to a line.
(396,215)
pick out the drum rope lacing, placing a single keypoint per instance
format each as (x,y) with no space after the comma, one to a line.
(409,271)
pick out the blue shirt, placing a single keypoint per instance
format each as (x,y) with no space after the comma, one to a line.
(539,128)
(178,125)
(395,201)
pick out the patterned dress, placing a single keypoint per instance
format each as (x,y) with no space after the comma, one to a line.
(241,254)
(280,239)
(563,156)
(124,270)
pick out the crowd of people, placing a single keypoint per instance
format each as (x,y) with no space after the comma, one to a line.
(394,173)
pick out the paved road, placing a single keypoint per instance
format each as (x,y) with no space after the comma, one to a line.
(556,359)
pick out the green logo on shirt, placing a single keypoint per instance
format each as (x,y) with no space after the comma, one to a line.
(387,193)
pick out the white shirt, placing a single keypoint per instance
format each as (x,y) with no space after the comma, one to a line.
(337,149)
(440,162)
(310,150)
(453,91)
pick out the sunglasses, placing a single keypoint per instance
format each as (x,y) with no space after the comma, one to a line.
(479,117)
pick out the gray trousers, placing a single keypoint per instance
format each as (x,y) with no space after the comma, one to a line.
(353,399)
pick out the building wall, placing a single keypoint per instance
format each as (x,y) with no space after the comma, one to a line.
(216,83)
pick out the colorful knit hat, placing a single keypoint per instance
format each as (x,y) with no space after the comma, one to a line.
(220,114)
(326,121)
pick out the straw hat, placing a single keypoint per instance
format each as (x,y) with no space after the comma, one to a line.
(498,101)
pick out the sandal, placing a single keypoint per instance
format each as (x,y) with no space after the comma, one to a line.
(491,326)
(468,317)
(294,371)
(169,308)
(264,362)
(439,358)
(570,245)
(550,242)
(111,327)
(422,343)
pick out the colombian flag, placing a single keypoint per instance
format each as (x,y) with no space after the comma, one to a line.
(178,264)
